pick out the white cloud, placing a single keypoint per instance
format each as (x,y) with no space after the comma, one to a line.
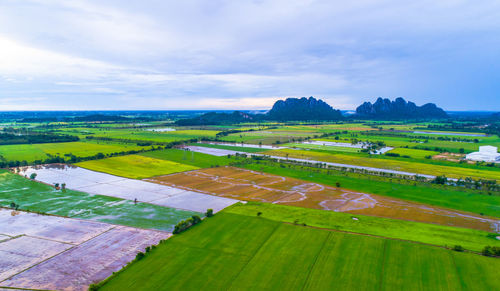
(223,53)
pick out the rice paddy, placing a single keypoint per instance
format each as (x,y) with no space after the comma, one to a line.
(135,166)
(38,197)
(233,252)
(396,165)
(249,185)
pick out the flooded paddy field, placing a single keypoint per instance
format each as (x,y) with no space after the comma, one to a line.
(98,183)
(254,186)
(35,196)
(212,151)
(57,253)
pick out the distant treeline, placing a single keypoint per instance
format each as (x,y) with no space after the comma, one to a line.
(87,118)
(30,138)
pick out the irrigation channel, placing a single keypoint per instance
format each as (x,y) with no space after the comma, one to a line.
(224,152)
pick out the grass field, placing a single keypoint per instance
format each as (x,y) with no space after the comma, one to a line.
(321,147)
(453,198)
(414,153)
(407,166)
(34,196)
(406,140)
(139,134)
(32,152)
(189,158)
(473,240)
(135,166)
(234,252)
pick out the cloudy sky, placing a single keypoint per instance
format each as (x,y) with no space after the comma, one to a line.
(198,54)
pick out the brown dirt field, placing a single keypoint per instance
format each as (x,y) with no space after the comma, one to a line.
(254,186)
(452,157)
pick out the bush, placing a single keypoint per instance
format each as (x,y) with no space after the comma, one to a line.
(185,224)
(458,248)
(490,251)
(139,256)
(209,213)
(440,180)
(33,176)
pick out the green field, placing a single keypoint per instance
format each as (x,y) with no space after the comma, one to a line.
(234,252)
(267,137)
(321,147)
(391,164)
(34,196)
(139,134)
(470,239)
(406,139)
(32,152)
(443,196)
(414,153)
(135,166)
(189,158)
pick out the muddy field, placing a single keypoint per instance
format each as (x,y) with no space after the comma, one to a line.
(56,253)
(98,183)
(253,186)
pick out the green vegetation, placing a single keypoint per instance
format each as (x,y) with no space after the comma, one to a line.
(234,252)
(444,196)
(397,165)
(413,153)
(32,152)
(189,158)
(135,166)
(472,240)
(321,147)
(38,197)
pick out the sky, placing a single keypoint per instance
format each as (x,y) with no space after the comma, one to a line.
(198,54)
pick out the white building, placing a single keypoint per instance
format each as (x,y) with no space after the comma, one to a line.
(486,154)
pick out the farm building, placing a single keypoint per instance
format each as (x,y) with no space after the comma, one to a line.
(486,154)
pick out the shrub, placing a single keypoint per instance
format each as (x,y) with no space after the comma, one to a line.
(195,219)
(139,256)
(490,251)
(33,176)
(209,213)
(458,248)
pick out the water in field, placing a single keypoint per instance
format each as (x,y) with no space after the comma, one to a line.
(34,196)
(165,129)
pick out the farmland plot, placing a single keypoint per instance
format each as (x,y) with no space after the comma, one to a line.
(254,186)
(104,184)
(39,197)
(232,252)
(56,253)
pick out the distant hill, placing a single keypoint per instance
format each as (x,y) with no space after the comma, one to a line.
(398,109)
(302,109)
(291,109)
